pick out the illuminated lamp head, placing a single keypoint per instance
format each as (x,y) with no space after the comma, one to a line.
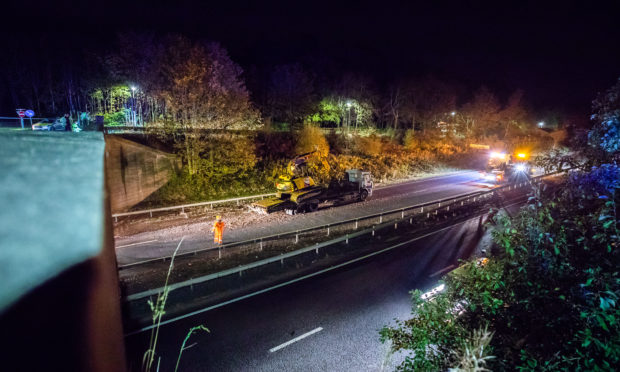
(521,155)
(520,167)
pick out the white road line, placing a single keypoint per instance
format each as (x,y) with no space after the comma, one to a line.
(274,349)
(129,245)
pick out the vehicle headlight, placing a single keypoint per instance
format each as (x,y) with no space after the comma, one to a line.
(520,167)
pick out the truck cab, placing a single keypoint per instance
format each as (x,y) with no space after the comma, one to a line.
(361,182)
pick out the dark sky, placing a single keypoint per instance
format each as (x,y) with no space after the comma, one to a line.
(560,53)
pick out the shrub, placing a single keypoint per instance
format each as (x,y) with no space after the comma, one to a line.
(311,138)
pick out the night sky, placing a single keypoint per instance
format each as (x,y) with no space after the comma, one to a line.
(560,53)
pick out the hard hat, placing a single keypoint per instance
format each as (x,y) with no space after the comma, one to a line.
(218,217)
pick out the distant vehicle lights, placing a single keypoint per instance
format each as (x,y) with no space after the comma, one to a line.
(497,155)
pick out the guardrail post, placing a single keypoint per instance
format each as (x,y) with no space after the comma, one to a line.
(356,224)
(474,199)
(381,218)
(297,237)
(402,213)
(211,205)
(410,220)
(115,219)
(421,209)
(346,241)
(439,205)
(261,245)
(448,209)
(237,201)
(151,214)
(373,230)
(428,215)
(282,261)
(327,230)
(219,253)
(461,203)
(395,225)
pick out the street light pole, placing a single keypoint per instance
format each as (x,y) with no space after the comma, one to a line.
(133,106)
(349,117)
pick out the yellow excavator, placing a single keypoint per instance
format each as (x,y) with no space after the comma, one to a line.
(298,193)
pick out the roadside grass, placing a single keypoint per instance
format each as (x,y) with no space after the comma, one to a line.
(158,311)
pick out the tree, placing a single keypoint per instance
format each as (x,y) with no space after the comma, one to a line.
(291,94)
(605,133)
(481,116)
(514,116)
(426,102)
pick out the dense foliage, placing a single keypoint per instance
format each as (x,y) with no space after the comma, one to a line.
(551,299)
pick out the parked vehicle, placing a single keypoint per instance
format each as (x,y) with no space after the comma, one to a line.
(54,125)
(298,193)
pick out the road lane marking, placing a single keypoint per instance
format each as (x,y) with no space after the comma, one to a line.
(129,245)
(274,349)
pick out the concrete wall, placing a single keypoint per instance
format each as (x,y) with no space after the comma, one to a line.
(135,171)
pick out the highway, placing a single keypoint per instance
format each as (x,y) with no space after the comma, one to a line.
(243,224)
(326,323)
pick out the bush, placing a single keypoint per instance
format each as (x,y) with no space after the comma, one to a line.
(551,298)
(368,146)
(311,138)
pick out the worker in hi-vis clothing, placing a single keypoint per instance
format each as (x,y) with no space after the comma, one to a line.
(218,230)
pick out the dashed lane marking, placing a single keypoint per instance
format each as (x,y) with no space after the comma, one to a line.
(282,346)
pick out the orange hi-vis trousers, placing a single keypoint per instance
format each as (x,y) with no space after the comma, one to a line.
(218,231)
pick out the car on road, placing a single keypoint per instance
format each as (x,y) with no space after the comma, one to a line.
(52,125)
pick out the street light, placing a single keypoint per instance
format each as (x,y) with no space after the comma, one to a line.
(453,113)
(541,124)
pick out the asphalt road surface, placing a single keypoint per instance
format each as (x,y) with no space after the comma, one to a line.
(326,323)
(149,245)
